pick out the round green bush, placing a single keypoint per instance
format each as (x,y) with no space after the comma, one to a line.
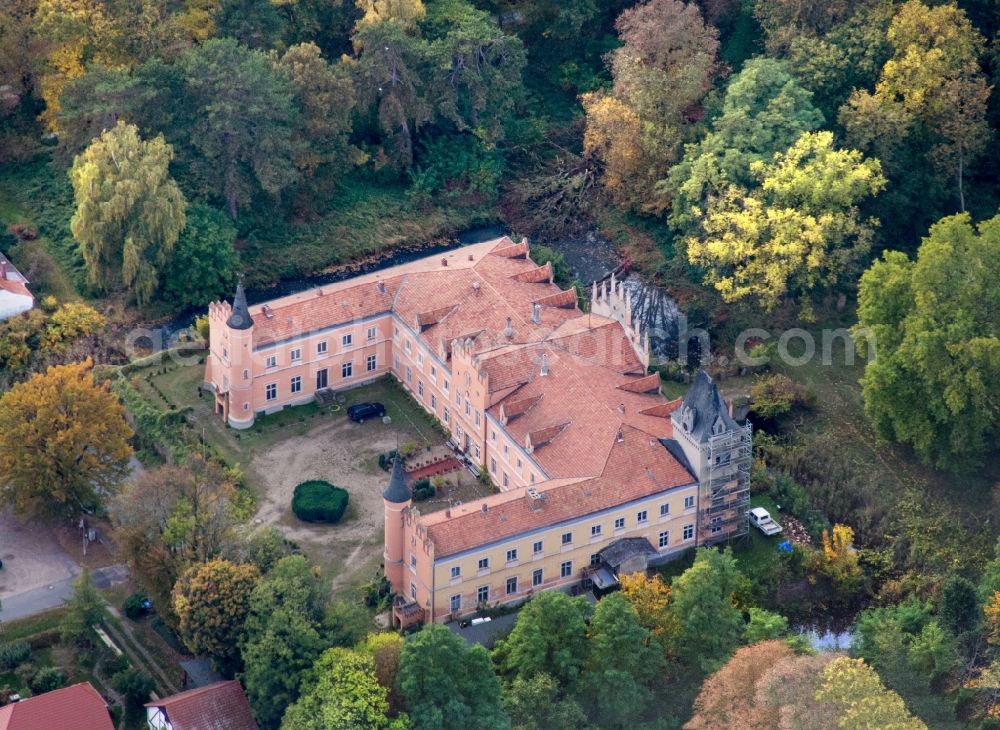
(319,501)
(46,680)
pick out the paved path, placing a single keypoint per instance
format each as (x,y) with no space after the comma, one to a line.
(55,594)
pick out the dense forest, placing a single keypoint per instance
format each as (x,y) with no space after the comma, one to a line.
(819,164)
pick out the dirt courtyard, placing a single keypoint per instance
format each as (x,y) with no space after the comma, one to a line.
(343,453)
(31,556)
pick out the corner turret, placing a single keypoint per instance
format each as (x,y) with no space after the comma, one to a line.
(396,499)
(240,318)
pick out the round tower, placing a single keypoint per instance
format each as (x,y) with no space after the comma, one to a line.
(395,499)
(240,331)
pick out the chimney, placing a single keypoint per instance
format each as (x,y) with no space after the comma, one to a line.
(621,408)
(509,329)
(444,262)
(545,365)
(381,287)
(536,313)
(475,286)
(3,269)
(535,499)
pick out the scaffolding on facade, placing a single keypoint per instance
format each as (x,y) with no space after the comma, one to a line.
(725,512)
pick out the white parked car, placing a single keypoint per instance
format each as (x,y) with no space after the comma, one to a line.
(761,519)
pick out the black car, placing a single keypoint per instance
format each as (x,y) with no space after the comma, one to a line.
(360,411)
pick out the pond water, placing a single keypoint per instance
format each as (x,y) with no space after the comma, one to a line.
(590,257)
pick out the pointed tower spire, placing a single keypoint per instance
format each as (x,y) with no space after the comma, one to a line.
(397,491)
(239,318)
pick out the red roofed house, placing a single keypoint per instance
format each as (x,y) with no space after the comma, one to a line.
(555,403)
(78,707)
(217,706)
(14,295)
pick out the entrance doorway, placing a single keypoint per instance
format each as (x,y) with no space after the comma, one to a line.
(321,379)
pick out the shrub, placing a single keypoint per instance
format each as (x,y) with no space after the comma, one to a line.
(409,449)
(134,685)
(319,501)
(774,395)
(423,489)
(113,664)
(13,655)
(46,680)
(385,460)
(133,606)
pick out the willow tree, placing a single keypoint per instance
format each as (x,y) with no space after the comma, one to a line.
(129,211)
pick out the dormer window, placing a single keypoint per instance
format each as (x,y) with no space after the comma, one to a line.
(687,418)
(719,427)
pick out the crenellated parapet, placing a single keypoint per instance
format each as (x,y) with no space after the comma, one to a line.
(613,300)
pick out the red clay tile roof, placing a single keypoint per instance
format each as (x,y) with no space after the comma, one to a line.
(638,466)
(77,707)
(217,706)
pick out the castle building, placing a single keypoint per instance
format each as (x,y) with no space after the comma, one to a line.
(597,473)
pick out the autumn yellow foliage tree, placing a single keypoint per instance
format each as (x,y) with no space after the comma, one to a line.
(211,601)
(840,559)
(64,443)
(862,700)
(650,599)
(991,615)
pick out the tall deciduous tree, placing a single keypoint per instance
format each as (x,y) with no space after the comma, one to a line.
(650,598)
(935,380)
(244,121)
(212,601)
(710,625)
(550,636)
(448,685)
(664,68)
(64,443)
(204,261)
(798,231)
(622,664)
(280,637)
(765,110)
(932,94)
(341,692)
(861,700)
(129,211)
(538,703)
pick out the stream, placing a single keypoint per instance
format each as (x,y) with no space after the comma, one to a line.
(590,257)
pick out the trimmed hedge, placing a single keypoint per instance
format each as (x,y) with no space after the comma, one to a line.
(319,501)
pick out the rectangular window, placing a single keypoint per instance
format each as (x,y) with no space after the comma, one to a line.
(484,563)
(434,373)
(477,418)
(493,465)
(468,407)
(271,390)
(620,523)
(506,480)
(347,340)
(512,555)
(536,547)
(519,464)
(532,477)
(506,449)
(566,569)
(225,353)
(458,398)
(321,381)
(395,361)
(246,374)
(688,502)
(595,558)
(413,591)
(408,347)
(420,359)
(434,403)
(371,363)
(372,331)
(512,585)
(413,561)
(395,333)
(567,538)
(446,415)
(536,577)
(664,510)
(271,361)
(409,374)
(297,384)
(456,602)
(483,594)
(664,539)
(716,525)
(296,354)
(478,455)
(446,385)
(493,436)
(456,571)
(641,516)
(688,532)
(347,369)
(420,388)
(595,530)
(321,347)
